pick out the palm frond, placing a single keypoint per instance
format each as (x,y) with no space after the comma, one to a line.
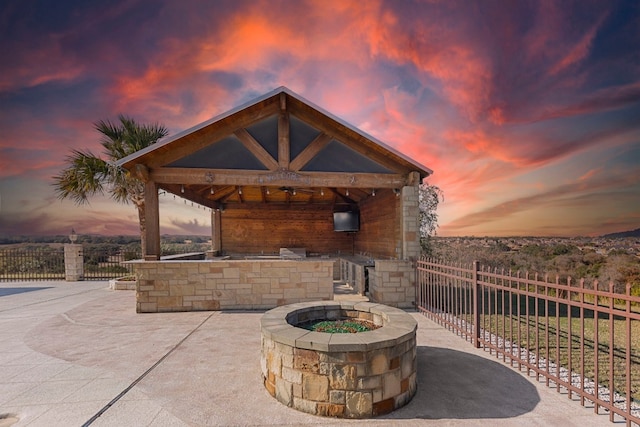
(84,177)
(88,174)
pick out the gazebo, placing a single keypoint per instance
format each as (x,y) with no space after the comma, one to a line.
(290,187)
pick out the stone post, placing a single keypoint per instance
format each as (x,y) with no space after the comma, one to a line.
(410,223)
(73,262)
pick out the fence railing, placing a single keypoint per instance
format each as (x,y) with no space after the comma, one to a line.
(32,263)
(101,264)
(47,263)
(579,337)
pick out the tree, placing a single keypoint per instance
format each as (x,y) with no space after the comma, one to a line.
(429,196)
(88,174)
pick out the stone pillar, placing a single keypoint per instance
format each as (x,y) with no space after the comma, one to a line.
(410,223)
(392,282)
(73,262)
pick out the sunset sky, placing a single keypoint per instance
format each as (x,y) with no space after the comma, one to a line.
(528,112)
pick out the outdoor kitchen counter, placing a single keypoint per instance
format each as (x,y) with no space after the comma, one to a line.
(231,284)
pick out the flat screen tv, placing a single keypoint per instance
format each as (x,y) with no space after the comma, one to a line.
(346,221)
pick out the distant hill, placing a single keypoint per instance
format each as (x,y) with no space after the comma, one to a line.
(632,233)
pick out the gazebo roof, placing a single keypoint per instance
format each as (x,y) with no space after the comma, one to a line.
(279,148)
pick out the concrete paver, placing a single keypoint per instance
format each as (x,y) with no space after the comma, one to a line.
(72,349)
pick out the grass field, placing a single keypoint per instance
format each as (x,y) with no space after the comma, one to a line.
(559,339)
(557,333)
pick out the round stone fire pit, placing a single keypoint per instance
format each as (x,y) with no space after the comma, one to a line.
(347,375)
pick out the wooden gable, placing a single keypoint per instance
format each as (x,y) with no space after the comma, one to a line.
(278,149)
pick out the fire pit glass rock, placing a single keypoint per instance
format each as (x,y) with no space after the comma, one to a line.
(347,375)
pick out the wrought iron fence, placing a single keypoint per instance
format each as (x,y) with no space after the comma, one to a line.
(100,264)
(32,263)
(581,338)
(44,262)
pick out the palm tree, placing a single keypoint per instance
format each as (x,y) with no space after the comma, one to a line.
(88,174)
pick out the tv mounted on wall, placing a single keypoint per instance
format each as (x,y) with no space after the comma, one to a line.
(346,221)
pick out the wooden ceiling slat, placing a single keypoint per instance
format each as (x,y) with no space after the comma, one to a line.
(189,194)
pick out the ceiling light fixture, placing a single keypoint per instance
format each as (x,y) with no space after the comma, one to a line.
(373,193)
(347,192)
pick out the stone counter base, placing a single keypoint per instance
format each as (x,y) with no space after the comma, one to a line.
(359,375)
(230,285)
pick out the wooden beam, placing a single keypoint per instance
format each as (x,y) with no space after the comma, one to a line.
(413,179)
(194,141)
(284,148)
(349,137)
(310,151)
(276,178)
(228,195)
(256,149)
(344,197)
(223,194)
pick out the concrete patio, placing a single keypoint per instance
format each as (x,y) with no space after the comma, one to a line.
(76,353)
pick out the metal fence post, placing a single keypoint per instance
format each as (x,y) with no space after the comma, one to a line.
(476,305)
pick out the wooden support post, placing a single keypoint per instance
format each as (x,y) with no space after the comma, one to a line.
(152,220)
(216,231)
(413,179)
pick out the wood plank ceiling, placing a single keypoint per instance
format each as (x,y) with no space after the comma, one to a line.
(279,149)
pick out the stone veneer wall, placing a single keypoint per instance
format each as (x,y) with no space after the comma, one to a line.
(233,284)
(392,282)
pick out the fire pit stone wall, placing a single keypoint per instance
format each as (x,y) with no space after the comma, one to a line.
(347,375)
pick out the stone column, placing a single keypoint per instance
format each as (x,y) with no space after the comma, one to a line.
(73,262)
(410,223)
